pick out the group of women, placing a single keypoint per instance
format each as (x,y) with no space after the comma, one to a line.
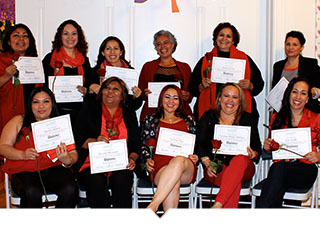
(107,107)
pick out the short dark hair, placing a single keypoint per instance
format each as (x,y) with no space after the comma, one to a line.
(29,116)
(298,35)
(82,44)
(235,33)
(31,51)
(124,93)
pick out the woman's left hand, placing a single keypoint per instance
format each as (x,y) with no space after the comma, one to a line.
(82,90)
(136,91)
(245,84)
(185,95)
(252,154)
(131,165)
(194,158)
(62,153)
(313,157)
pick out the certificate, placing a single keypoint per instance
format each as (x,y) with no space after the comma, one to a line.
(274,98)
(294,139)
(155,88)
(173,143)
(30,70)
(106,157)
(65,88)
(227,70)
(235,139)
(129,76)
(48,134)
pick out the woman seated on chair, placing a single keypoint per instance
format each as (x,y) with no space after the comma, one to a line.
(299,173)
(230,110)
(167,172)
(33,173)
(104,119)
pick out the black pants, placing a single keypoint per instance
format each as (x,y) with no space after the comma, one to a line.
(97,185)
(58,180)
(283,175)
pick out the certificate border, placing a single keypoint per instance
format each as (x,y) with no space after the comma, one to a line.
(123,142)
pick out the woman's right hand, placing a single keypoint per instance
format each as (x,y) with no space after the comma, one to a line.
(94,88)
(147,91)
(103,138)
(210,172)
(206,82)
(266,144)
(150,165)
(10,71)
(30,154)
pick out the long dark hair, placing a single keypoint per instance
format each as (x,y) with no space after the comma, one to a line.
(82,44)
(29,116)
(103,45)
(160,109)
(285,115)
(31,51)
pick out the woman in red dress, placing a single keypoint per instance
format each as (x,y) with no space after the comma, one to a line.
(168,172)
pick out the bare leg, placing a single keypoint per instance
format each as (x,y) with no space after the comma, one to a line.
(172,200)
(178,171)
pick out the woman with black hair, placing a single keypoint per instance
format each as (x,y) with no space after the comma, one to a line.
(18,41)
(298,173)
(112,53)
(32,172)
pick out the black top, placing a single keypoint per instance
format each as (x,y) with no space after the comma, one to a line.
(308,68)
(88,125)
(255,79)
(205,133)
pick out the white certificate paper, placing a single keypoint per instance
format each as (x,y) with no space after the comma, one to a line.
(173,143)
(294,139)
(227,70)
(235,139)
(274,98)
(155,88)
(48,134)
(30,70)
(65,88)
(106,157)
(129,76)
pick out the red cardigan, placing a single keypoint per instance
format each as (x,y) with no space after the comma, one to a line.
(147,75)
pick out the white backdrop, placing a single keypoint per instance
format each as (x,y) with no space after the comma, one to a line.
(262,25)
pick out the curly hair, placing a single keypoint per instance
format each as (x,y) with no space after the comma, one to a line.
(235,33)
(167,34)
(82,44)
(31,50)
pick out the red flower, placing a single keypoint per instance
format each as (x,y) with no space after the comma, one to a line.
(101,72)
(216,144)
(15,57)
(25,131)
(274,145)
(209,56)
(151,142)
(109,124)
(58,64)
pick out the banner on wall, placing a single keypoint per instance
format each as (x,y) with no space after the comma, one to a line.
(7,10)
(174,5)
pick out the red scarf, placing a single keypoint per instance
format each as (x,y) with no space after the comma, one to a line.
(107,63)
(210,94)
(111,123)
(62,56)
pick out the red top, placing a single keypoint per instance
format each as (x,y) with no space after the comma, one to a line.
(308,119)
(6,94)
(16,166)
(147,74)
